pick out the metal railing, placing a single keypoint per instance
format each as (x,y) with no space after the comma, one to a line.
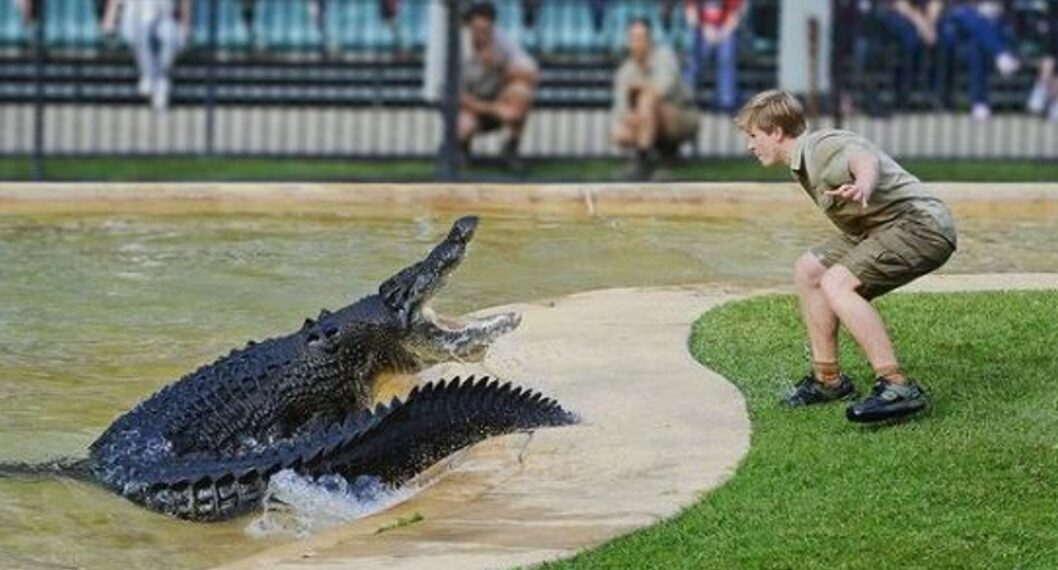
(344,79)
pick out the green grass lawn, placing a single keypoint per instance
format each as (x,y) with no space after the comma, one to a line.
(225,169)
(974,484)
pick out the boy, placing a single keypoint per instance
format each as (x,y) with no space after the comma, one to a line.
(892,231)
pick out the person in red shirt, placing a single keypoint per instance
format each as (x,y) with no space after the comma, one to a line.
(712,27)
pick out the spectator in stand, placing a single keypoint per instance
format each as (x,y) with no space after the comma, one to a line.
(387,11)
(712,27)
(851,48)
(499,79)
(25,7)
(914,25)
(654,110)
(979,29)
(1044,95)
(156,36)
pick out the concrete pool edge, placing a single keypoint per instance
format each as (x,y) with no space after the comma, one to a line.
(528,527)
(570,199)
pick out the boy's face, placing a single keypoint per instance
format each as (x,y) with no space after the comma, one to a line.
(765,146)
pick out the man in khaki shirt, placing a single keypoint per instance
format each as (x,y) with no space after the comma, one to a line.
(653,108)
(892,230)
(498,83)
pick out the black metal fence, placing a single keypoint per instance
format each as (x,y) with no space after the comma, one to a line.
(359,80)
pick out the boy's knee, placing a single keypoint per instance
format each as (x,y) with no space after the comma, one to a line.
(808,271)
(837,281)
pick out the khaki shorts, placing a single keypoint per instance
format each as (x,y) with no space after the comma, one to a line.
(891,256)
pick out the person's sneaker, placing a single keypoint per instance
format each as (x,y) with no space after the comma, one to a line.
(642,166)
(511,159)
(981,112)
(888,401)
(811,391)
(1037,102)
(1007,64)
(160,96)
(145,86)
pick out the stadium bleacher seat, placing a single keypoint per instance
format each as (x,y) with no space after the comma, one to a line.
(413,21)
(509,16)
(69,23)
(356,25)
(12,29)
(566,27)
(232,31)
(285,25)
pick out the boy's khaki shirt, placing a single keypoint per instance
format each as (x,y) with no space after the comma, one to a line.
(820,162)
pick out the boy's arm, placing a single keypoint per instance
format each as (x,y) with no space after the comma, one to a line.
(863,165)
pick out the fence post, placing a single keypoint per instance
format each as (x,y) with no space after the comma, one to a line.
(449,160)
(211,78)
(38,94)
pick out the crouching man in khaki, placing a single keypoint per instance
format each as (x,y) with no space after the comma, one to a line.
(892,230)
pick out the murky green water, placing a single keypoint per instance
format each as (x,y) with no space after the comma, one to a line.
(96,312)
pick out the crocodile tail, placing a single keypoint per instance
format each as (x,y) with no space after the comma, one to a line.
(435,421)
(392,442)
(70,468)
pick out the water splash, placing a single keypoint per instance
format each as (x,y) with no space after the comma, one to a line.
(298,505)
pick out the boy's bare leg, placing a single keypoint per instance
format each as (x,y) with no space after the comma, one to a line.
(821,321)
(861,319)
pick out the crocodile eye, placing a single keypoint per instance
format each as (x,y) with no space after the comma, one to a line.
(312,338)
(329,332)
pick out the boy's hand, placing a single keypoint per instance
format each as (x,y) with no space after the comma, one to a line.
(851,192)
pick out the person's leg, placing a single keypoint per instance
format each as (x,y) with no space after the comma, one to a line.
(137,34)
(598,14)
(692,57)
(821,322)
(863,321)
(625,130)
(988,47)
(648,111)
(514,104)
(639,130)
(947,58)
(889,258)
(169,42)
(968,25)
(825,383)
(1041,90)
(467,127)
(907,37)
(727,73)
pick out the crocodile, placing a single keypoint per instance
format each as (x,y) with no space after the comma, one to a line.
(204,447)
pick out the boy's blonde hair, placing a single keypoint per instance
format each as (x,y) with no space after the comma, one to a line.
(772,109)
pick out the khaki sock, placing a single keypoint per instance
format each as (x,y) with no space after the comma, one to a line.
(891,372)
(826,372)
